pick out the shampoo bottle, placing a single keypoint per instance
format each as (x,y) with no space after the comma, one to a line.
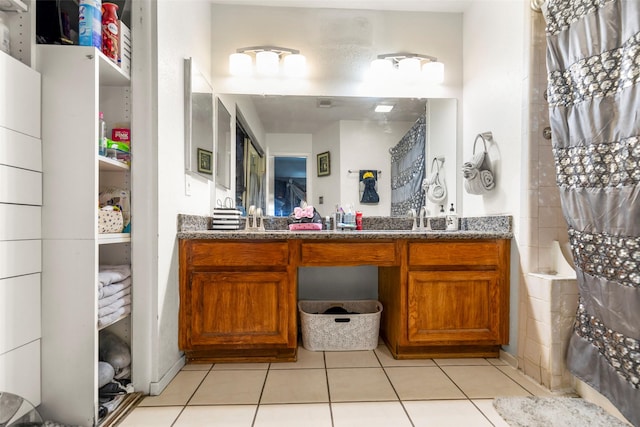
(452,219)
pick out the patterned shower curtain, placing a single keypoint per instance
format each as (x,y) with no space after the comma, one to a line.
(593,63)
(408,170)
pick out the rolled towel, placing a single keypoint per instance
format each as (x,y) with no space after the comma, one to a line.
(476,160)
(469,172)
(474,186)
(486,179)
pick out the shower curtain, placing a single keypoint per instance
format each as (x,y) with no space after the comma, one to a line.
(408,170)
(593,64)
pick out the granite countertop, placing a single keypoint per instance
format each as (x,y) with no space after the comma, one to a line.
(191,227)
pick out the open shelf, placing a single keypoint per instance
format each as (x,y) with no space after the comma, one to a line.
(110,238)
(13,6)
(107,164)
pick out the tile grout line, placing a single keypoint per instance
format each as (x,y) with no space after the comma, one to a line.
(192,394)
(394,389)
(326,376)
(264,384)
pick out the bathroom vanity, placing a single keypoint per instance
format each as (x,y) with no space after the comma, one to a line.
(444,294)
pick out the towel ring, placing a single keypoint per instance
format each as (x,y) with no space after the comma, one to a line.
(482,136)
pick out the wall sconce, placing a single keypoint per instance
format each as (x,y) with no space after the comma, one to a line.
(267,61)
(409,67)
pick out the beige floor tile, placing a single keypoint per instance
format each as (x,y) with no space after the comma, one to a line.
(525,381)
(359,385)
(351,359)
(295,386)
(386,359)
(240,366)
(483,382)
(163,416)
(464,361)
(230,388)
(306,360)
(179,390)
(217,416)
(486,406)
(422,383)
(445,413)
(197,366)
(294,415)
(369,414)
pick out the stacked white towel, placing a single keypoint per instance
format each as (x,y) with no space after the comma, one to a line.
(114,293)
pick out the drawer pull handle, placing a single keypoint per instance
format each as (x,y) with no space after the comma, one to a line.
(342,320)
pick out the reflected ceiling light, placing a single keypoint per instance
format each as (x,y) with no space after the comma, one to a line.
(267,61)
(383,108)
(409,67)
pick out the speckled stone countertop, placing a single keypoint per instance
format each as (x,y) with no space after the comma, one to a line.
(375,228)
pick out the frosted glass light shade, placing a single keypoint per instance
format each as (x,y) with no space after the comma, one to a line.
(240,64)
(409,68)
(267,63)
(381,68)
(433,72)
(295,65)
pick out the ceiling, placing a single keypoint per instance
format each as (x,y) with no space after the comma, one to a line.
(308,114)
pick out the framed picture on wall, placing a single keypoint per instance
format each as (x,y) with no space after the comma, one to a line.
(205,161)
(324,164)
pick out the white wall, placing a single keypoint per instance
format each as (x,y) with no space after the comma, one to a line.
(365,145)
(328,139)
(443,143)
(494,76)
(175,44)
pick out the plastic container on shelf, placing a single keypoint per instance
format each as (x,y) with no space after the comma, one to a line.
(90,23)
(110,31)
(102,136)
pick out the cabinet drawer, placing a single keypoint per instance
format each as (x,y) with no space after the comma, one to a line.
(352,253)
(217,254)
(481,253)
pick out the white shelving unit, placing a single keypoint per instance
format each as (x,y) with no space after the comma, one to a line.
(77,83)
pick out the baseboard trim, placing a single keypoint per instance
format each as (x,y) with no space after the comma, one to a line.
(155,388)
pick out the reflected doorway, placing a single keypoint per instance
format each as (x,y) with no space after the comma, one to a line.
(289,183)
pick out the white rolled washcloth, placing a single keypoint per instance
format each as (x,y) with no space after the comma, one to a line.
(478,177)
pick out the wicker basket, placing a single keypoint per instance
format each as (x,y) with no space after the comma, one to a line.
(340,332)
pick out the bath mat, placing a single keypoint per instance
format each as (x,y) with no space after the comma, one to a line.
(536,411)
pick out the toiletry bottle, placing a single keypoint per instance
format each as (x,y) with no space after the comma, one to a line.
(102,136)
(110,28)
(452,219)
(358,220)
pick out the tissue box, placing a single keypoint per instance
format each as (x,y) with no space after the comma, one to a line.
(110,222)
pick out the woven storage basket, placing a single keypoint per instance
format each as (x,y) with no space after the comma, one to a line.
(340,332)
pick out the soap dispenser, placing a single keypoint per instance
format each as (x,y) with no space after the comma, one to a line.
(452,219)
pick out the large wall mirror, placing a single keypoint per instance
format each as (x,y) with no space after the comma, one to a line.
(357,138)
(223,146)
(198,118)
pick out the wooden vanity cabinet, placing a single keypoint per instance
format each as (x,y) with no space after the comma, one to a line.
(238,301)
(455,302)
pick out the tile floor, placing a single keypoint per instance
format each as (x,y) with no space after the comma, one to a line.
(336,389)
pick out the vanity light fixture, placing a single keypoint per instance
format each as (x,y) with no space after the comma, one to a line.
(409,67)
(268,59)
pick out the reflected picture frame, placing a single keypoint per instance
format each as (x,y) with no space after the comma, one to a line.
(205,161)
(324,164)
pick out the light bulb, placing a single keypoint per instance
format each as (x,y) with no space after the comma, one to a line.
(433,72)
(240,64)
(267,62)
(409,68)
(381,68)
(295,65)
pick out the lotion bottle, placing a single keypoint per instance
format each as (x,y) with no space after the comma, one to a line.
(452,219)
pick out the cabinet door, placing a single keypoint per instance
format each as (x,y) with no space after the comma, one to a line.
(448,307)
(239,308)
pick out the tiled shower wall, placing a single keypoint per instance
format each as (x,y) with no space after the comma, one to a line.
(547,302)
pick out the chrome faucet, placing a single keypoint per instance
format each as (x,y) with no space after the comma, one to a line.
(423,216)
(411,213)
